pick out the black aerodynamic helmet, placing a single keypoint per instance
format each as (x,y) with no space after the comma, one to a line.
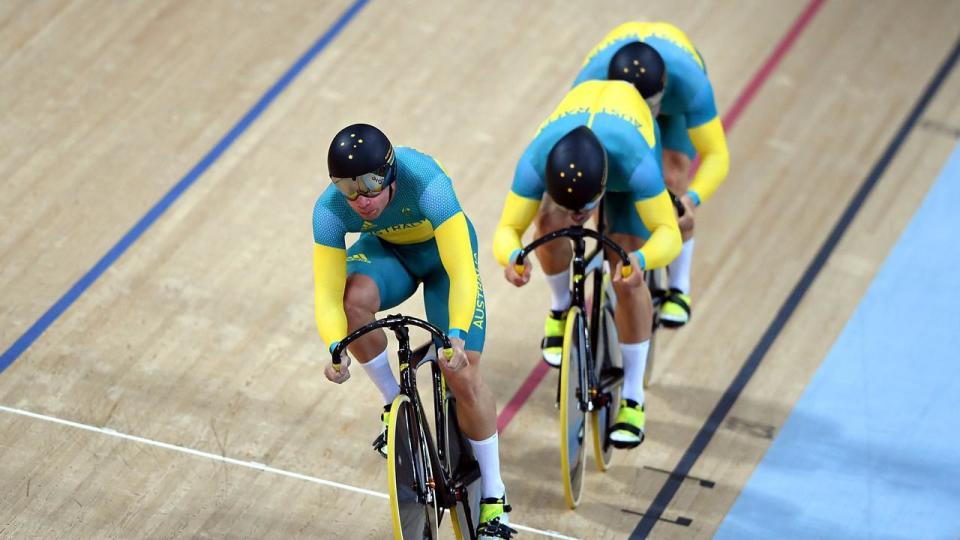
(577,170)
(640,65)
(361,161)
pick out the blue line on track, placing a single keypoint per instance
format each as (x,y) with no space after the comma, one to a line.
(118,249)
(720,411)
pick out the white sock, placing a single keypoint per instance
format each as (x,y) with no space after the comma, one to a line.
(488,456)
(380,373)
(559,290)
(679,269)
(634,364)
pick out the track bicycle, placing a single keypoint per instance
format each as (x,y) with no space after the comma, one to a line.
(591,369)
(427,476)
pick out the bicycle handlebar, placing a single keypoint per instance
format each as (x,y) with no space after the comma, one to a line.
(677,205)
(575,233)
(392,322)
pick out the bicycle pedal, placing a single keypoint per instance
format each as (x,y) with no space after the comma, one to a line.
(380,445)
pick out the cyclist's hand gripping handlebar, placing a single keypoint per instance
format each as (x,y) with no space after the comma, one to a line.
(677,205)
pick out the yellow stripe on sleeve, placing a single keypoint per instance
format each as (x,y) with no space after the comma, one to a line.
(664,244)
(329,282)
(518,213)
(456,254)
(711,144)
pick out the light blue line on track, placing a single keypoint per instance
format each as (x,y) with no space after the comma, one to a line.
(60,306)
(872,448)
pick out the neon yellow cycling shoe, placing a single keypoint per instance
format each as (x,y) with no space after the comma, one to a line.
(380,443)
(552,344)
(631,420)
(494,522)
(675,310)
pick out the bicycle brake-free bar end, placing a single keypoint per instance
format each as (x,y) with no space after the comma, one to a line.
(519,268)
(336,361)
(626,271)
(448,353)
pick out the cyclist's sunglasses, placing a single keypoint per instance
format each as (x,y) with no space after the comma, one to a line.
(592,204)
(365,185)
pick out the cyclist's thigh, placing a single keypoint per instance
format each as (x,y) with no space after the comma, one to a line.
(621,216)
(436,299)
(368,256)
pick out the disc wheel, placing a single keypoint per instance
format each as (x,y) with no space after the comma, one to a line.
(572,420)
(412,499)
(463,470)
(608,361)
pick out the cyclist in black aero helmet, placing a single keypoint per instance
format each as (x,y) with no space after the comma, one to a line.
(576,173)
(361,161)
(412,231)
(600,142)
(642,66)
(670,74)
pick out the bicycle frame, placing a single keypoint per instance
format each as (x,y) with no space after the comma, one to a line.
(581,268)
(446,485)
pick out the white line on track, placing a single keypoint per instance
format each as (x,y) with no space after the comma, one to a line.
(248,464)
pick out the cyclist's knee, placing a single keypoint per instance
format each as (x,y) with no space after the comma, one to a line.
(463,383)
(551,217)
(361,298)
(466,382)
(628,242)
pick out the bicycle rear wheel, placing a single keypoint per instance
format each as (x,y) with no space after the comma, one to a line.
(463,471)
(609,365)
(412,498)
(572,419)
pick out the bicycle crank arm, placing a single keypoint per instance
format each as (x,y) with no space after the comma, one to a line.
(611,377)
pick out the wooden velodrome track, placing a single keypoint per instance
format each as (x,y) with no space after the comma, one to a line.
(196,328)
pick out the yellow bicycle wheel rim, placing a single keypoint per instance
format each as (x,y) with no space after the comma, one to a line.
(455,521)
(597,443)
(391,465)
(571,498)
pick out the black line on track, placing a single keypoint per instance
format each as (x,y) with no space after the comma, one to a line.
(940,127)
(720,411)
(681,520)
(709,484)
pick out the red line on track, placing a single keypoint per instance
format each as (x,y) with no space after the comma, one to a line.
(518,399)
(787,42)
(739,105)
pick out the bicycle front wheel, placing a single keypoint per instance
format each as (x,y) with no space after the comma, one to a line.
(413,501)
(572,417)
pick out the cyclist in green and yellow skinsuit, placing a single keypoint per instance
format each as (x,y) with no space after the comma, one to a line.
(412,231)
(598,126)
(671,75)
